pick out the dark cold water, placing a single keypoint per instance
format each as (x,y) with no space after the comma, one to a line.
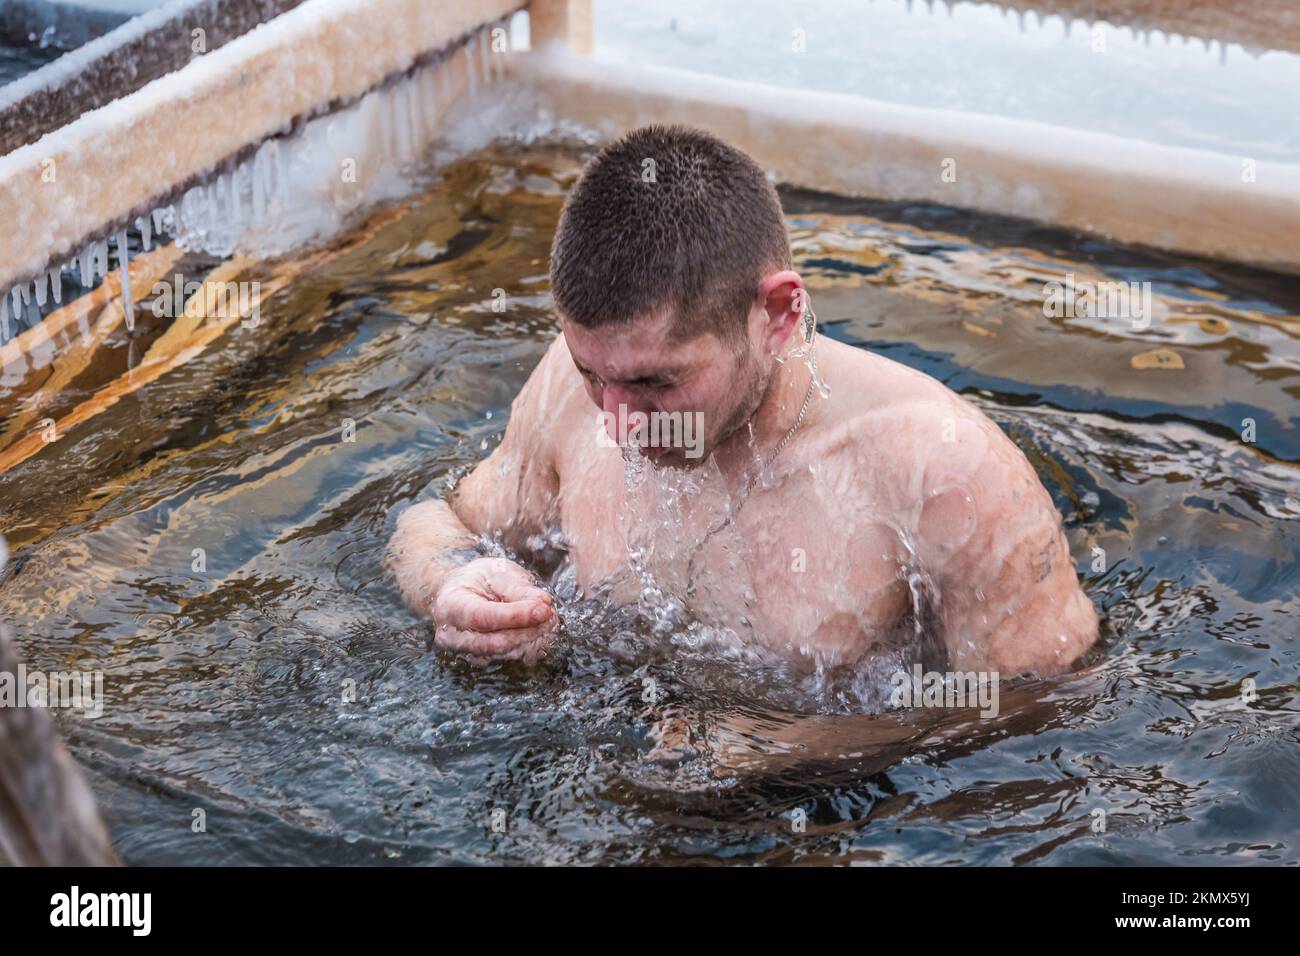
(229,689)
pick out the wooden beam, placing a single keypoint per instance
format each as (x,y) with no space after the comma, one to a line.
(1127,190)
(564,22)
(1261,24)
(117,162)
(122,61)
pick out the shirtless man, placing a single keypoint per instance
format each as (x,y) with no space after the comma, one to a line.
(834,504)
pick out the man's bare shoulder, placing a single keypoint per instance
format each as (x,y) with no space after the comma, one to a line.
(554,381)
(873,382)
(551,402)
(892,424)
(905,444)
(978,518)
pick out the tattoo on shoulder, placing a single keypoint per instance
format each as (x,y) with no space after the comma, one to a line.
(1045,560)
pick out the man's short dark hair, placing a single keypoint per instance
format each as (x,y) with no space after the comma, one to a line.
(668,217)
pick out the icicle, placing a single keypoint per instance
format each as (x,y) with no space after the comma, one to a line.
(281,173)
(203,212)
(397,116)
(101,258)
(266,156)
(493,54)
(388,102)
(471,72)
(419,111)
(40,289)
(4,319)
(259,196)
(384,120)
(56,285)
(16,295)
(410,140)
(411,119)
(184,210)
(437,81)
(211,209)
(216,192)
(84,263)
(124,265)
(158,218)
(393,120)
(189,211)
(236,206)
(146,234)
(415,116)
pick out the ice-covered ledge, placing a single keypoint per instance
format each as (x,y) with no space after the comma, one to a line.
(115,162)
(1125,190)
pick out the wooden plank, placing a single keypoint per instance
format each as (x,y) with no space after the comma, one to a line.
(566,22)
(122,61)
(1128,191)
(107,166)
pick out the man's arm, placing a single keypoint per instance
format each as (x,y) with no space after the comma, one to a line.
(1008,596)
(488,607)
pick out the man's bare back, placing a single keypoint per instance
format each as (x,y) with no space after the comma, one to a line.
(833,504)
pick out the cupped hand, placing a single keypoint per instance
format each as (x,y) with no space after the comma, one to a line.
(493,608)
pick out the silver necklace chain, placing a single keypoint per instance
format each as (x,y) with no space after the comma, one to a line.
(803,409)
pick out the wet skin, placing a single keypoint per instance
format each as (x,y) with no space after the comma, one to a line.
(895,503)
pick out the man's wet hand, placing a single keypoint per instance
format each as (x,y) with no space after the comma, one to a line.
(492,608)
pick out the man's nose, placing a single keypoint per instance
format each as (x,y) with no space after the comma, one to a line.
(612,396)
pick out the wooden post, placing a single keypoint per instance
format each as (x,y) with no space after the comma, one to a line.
(560,21)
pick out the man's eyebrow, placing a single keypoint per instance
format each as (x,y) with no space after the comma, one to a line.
(640,375)
(651,375)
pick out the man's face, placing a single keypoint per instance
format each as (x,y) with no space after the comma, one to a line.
(698,392)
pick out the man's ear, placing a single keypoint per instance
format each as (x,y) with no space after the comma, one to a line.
(782,295)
